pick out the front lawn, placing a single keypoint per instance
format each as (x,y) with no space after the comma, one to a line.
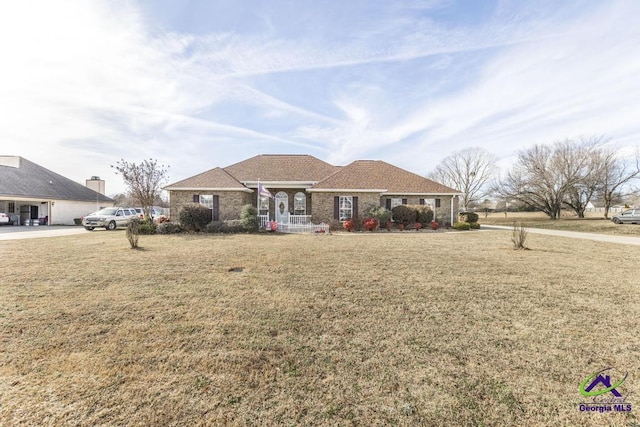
(349,329)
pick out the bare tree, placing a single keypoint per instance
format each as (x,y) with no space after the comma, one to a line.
(144,180)
(617,173)
(582,160)
(469,171)
(543,176)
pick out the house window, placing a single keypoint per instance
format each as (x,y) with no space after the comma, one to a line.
(396,202)
(263,204)
(12,207)
(300,204)
(346,208)
(430,203)
(213,203)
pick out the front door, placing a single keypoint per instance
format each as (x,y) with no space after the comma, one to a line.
(282,208)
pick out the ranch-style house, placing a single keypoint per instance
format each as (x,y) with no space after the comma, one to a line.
(306,189)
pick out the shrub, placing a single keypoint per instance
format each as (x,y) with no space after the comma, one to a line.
(232,226)
(147,227)
(468,217)
(133,232)
(168,228)
(474,225)
(379,213)
(249,218)
(335,226)
(447,225)
(434,225)
(214,227)
(401,227)
(404,215)
(518,236)
(371,224)
(424,215)
(388,225)
(417,226)
(461,225)
(348,225)
(194,217)
(161,219)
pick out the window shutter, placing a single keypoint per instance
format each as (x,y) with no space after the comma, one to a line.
(196,198)
(336,208)
(388,203)
(215,214)
(437,203)
(404,201)
(422,201)
(355,207)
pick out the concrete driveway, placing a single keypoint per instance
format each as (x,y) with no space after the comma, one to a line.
(626,240)
(16,232)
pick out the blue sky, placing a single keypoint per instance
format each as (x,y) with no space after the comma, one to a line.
(200,84)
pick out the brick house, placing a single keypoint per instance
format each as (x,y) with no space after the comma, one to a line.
(305,189)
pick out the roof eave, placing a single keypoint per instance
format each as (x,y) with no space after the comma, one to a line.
(246,190)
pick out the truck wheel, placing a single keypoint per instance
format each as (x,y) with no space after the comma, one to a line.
(111,226)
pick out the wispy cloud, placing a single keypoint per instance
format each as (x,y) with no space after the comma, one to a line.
(85,83)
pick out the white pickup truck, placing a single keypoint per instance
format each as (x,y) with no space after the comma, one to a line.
(109,218)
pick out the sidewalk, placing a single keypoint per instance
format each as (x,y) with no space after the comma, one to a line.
(626,240)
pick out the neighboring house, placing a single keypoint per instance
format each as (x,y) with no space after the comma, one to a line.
(29,192)
(305,189)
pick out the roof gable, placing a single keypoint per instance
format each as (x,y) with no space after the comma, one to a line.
(376,174)
(281,168)
(216,178)
(20,177)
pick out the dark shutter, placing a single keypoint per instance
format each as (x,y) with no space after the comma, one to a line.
(437,203)
(215,214)
(336,208)
(388,203)
(422,201)
(355,207)
(196,198)
(404,201)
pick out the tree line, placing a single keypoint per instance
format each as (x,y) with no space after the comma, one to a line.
(545,177)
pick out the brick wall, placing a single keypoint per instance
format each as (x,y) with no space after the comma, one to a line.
(231,202)
(323,204)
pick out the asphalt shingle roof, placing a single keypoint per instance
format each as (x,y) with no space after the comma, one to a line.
(34,181)
(273,167)
(376,174)
(213,178)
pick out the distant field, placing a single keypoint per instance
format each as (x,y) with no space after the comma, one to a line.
(590,224)
(442,329)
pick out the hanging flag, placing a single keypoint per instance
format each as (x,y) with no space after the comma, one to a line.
(263,191)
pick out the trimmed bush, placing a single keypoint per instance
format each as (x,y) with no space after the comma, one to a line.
(474,225)
(147,227)
(370,224)
(424,215)
(249,218)
(348,225)
(168,228)
(214,227)
(468,217)
(232,226)
(379,213)
(404,215)
(194,217)
(461,225)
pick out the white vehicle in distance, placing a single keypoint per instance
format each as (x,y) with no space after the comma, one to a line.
(109,218)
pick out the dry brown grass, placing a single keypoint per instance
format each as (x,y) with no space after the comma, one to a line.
(350,329)
(590,224)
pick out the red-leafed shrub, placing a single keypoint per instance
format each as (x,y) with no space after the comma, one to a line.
(348,225)
(417,226)
(434,225)
(371,224)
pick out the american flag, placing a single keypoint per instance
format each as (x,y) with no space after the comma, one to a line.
(263,191)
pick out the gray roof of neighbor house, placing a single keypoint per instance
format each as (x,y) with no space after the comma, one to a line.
(21,178)
(379,175)
(281,168)
(215,178)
